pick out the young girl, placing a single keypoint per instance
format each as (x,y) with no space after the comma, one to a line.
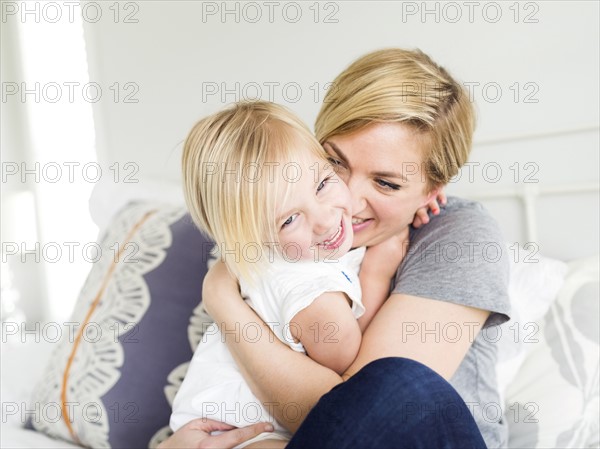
(260,185)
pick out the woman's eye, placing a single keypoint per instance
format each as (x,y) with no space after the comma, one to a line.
(387,185)
(335,163)
(289,221)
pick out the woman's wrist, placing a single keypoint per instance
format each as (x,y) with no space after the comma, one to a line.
(382,260)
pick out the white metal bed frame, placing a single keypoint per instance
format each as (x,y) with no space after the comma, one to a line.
(529,193)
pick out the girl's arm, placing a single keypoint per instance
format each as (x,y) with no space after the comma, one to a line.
(328,331)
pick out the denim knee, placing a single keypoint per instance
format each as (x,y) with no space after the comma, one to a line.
(411,383)
(392,402)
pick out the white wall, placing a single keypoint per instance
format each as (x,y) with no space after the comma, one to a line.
(174,49)
(543,56)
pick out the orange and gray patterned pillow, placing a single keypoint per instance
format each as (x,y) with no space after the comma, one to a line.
(554,400)
(137,321)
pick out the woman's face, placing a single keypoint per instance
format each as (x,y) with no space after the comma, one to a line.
(382,166)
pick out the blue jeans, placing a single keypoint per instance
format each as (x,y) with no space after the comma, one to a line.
(391,403)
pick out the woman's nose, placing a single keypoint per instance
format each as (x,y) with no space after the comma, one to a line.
(357,192)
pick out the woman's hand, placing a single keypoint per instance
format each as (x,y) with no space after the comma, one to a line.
(196,434)
(422,214)
(378,268)
(385,257)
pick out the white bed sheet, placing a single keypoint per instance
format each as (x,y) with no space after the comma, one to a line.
(20,438)
(22,363)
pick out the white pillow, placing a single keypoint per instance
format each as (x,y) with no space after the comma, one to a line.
(109,197)
(534,284)
(554,401)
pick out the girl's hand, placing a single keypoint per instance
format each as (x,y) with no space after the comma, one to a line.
(196,434)
(422,215)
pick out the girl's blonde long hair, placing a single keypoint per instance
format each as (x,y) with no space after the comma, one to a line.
(231,176)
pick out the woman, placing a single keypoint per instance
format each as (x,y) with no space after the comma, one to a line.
(398,128)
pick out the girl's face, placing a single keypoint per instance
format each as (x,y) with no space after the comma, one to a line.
(382,166)
(314,221)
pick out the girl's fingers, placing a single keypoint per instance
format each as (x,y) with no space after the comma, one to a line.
(421,218)
(441,197)
(416,222)
(434,206)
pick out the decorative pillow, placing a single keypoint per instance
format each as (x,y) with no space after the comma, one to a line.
(534,284)
(554,399)
(136,323)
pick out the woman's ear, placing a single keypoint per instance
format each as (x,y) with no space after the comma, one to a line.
(432,195)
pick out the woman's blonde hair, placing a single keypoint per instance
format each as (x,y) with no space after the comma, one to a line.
(396,85)
(232,177)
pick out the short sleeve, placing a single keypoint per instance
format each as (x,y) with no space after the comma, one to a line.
(459,257)
(307,283)
(288,287)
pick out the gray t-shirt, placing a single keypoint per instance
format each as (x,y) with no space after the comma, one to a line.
(460,257)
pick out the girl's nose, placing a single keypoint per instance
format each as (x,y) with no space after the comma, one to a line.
(325,220)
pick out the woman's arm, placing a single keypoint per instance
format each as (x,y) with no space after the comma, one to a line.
(435,333)
(377,270)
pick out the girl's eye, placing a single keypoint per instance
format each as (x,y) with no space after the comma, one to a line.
(387,185)
(325,181)
(289,221)
(322,184)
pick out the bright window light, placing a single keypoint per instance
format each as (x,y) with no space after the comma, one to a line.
(61,129)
